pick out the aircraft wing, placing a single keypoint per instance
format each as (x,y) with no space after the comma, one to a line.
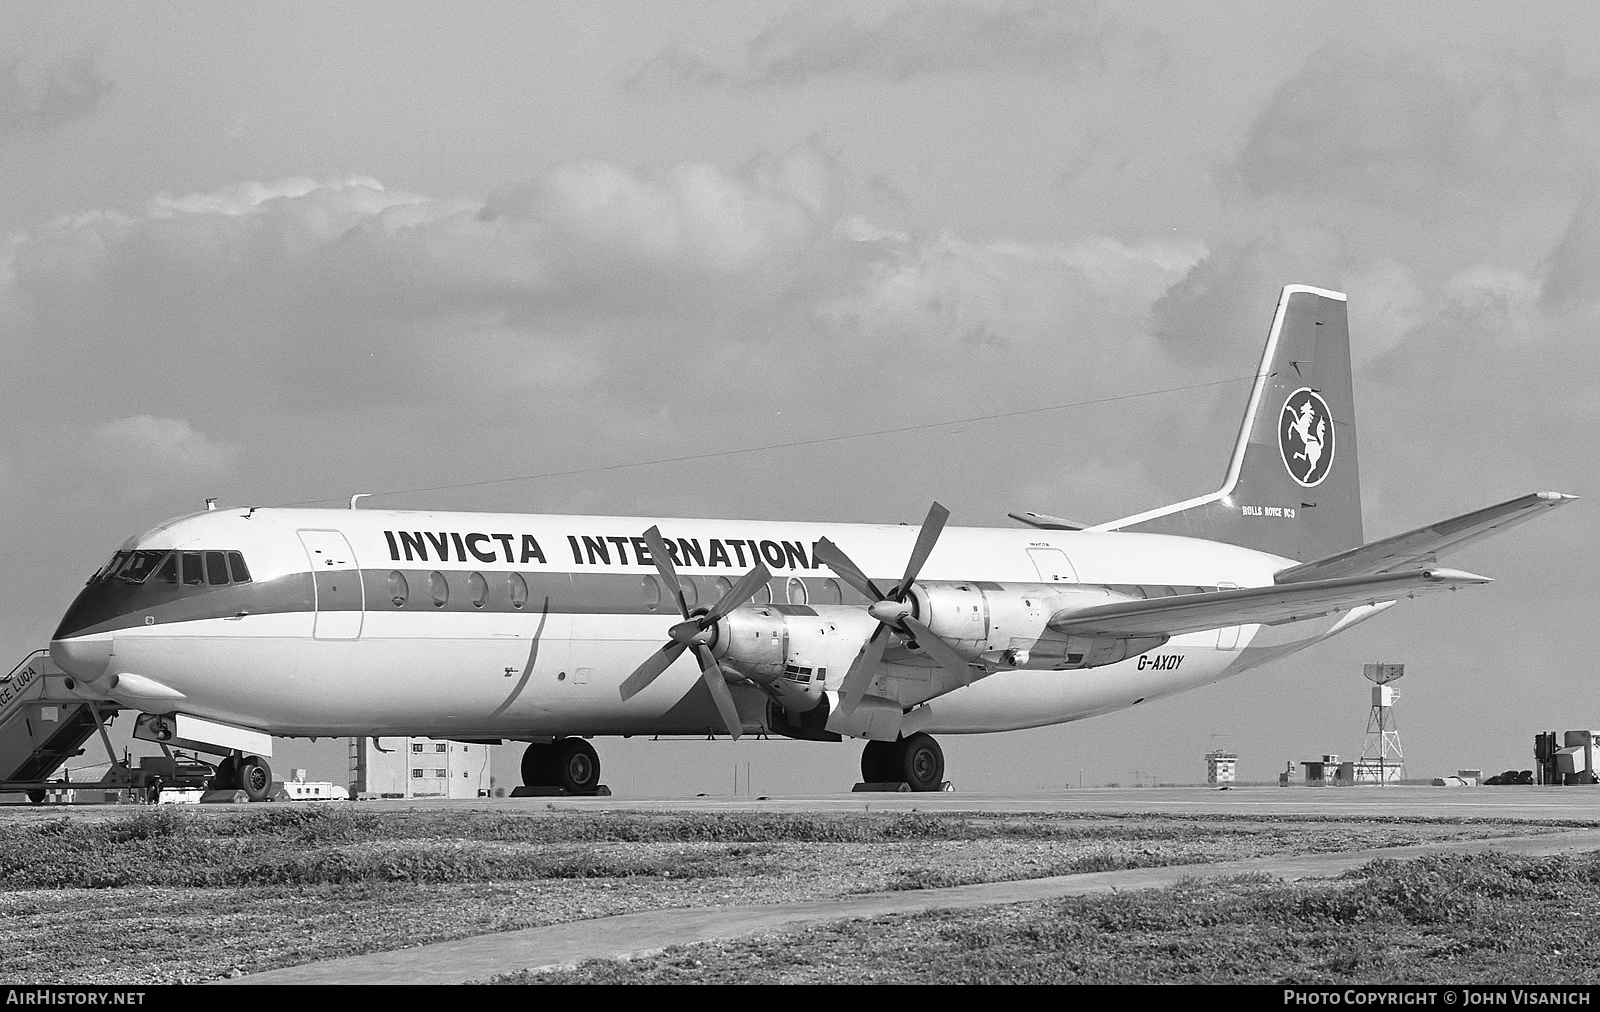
(1171,616)
(1421,547)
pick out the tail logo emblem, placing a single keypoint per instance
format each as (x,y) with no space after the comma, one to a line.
(1305,437)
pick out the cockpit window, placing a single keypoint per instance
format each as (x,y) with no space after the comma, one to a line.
(136,567)
(192,575)
(193,569)
(168,573)
(216,568)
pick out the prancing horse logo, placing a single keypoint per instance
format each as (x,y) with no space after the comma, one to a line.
(1305,437)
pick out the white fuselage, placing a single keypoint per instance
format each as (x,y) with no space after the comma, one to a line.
(472,625)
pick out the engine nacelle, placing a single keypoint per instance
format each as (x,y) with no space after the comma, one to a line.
(794,652)
(1007,624)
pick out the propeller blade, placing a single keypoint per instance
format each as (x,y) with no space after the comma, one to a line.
(711,674)
(860,674)
(830,555)
(742,591)
(939,650)
(664,566)
(926,538)
(652,667)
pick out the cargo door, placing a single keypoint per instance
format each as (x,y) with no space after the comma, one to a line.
(337,581)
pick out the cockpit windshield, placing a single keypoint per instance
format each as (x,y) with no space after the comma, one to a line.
(213,568)
(136,567)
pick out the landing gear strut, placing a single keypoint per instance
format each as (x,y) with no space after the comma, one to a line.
(917,761)
(569,764)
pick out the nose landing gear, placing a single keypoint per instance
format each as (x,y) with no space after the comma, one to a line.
(917,762)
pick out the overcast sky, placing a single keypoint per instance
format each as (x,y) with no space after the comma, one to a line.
(281,253)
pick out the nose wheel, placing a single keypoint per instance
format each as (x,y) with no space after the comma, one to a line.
(917,761)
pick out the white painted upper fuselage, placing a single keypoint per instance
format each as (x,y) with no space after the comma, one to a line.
(477,625)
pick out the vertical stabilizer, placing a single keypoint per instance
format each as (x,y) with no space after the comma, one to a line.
(1293,487)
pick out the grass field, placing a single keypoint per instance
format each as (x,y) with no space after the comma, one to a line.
(170,895)
(1451,920)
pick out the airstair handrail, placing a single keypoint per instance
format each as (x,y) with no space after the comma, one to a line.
(22,664)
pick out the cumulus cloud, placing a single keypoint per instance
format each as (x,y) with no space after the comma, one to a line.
(948,291)
(37,98)
(142,457)
(1395,127)
(351,322)
(1018,37)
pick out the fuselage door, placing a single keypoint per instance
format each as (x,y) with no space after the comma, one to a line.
(1053,565)
(337,581)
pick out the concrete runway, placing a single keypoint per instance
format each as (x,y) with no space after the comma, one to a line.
(1547,804)
(1561,804)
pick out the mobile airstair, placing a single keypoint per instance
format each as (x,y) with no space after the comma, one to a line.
(43,725)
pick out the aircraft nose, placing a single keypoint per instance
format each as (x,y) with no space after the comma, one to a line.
(84,657)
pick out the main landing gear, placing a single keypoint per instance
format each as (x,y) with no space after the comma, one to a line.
(917,762)
(248,773)
(566,765)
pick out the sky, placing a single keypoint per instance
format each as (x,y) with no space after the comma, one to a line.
(286,253)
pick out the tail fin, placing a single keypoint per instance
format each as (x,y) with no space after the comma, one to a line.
(1293,488)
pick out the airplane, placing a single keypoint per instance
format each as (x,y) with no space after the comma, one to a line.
(230,626)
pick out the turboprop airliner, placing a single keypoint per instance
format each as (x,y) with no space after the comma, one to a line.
(231,626)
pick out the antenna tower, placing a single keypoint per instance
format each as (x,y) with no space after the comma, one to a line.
(1381,758)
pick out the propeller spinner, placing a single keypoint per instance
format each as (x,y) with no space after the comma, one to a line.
(696,632)
(893,612)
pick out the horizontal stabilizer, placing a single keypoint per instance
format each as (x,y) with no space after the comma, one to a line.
(1172,616)
(1419,548)
(1045,521)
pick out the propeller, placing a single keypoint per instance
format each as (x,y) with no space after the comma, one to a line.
(893,612)
(695,632)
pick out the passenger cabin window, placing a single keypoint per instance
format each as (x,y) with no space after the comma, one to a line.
(438,589)
(478,590)
(399,589)
(517,588)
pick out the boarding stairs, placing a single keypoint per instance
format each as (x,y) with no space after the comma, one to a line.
(42,725)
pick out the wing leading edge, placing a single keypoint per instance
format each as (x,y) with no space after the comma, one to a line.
(1172,616)
(1421,547)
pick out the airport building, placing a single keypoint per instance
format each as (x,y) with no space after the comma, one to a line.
(1221,767)
(418,768)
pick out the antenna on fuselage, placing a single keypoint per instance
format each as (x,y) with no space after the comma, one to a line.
(211,503)
(358,495)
